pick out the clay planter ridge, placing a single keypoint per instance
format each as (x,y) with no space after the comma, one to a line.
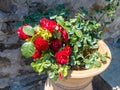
(80,80)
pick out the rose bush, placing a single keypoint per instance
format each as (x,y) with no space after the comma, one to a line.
(59,44)
(57,47)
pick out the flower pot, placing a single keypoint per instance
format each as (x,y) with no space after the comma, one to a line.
(80,80)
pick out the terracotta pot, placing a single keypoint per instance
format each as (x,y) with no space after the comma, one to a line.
(80,80)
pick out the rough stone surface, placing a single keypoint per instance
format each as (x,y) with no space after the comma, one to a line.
(28,82)
(5,17)
(3,26)
(12,39)
(2,36)
(4,62)
(4,82)
(12,63)
(6,6)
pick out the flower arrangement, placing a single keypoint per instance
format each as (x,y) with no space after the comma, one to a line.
(58,45)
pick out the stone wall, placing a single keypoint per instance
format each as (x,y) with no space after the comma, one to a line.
(12,63)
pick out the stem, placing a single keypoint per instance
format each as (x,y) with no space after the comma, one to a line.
(101,16)
(105,11)
(87,55)
(32,39)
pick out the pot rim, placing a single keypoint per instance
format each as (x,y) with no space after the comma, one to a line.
(103,48)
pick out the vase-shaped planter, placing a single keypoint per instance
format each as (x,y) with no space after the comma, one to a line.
(80,80)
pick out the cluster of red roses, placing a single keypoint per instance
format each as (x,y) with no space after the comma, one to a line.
(62,56)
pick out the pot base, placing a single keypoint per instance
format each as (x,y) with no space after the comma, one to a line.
(81,84)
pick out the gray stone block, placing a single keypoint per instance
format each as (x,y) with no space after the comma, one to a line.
(28,82)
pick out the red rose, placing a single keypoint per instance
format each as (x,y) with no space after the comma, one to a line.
(62,57)
(48,24)
(59,28)
(65,35)
(40,43)
(21,34)
(67,49)
(37,54)
(56,45)
(60,75)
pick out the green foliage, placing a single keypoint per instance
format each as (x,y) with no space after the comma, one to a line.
(78,33)
(83,39)
(118,41)
(60,20)
(33,18)
(108,11)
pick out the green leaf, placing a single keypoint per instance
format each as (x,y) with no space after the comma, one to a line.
(60,69)
(78,43)
(28,30)
(33,64)
(57,35)
(73,57)
(54,66)
(47,64)
(86,61)
(75,48)
(18,24)
(46,56)
(72,60)
(37,28)
(39,68)
(60,20)
(106,55)
(28,49)
(78,33)
(118,41)
(53,17)
(67,23)
(95,46)
(83,11)
(108,0)
(79,56)
(103,58)
(51,74)
(78,62)
(73,40)
(97,64)
(88,66)
(65,72)
(73,20)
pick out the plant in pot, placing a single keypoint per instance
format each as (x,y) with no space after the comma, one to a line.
(69,49)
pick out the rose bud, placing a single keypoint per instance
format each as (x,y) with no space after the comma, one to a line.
(65,35)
